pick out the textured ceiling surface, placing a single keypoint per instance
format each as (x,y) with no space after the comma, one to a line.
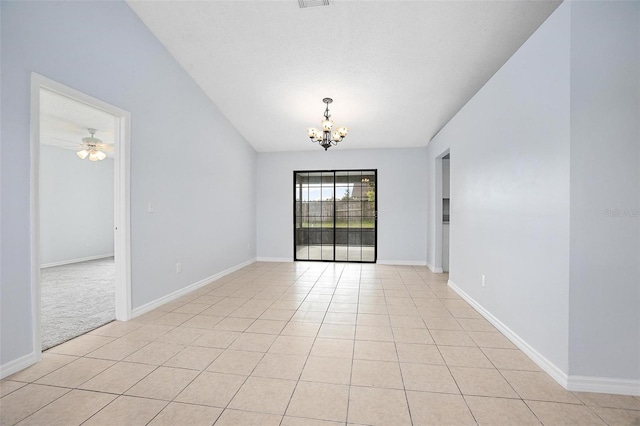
(397,70)
(64,121)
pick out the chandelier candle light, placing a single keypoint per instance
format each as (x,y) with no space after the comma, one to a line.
(325,137)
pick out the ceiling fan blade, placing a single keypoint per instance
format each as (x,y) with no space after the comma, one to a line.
(66,142)
(105,147)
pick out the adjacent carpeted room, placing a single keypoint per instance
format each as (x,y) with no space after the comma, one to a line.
(76,298)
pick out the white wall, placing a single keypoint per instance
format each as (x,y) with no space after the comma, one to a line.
(605,176)
(76,206)
(186,158)
(510,180)
(546,180)
(400,195)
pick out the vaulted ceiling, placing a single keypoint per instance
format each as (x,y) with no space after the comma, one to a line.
(398,71)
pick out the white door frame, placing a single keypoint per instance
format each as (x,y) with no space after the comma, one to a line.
(437,201)
(122,231)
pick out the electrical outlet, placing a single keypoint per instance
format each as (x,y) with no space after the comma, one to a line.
(483,280)
(178,267)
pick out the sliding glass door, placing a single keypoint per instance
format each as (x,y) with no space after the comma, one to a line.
(335,215)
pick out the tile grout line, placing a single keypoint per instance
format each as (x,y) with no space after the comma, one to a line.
(353,350)
(309,354)
(46,405)
(447,365)
(249,375)
(122,394)
(510,386)
(451,374)
(395,345)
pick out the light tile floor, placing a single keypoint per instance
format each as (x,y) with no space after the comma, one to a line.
(302,344)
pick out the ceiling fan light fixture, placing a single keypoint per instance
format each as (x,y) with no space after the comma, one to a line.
(90,150)
(91,139)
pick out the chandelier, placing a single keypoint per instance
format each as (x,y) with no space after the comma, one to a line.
(325,137)
(91,148)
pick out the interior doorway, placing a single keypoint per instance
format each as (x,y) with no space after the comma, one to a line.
(335,215)
(79,213)
(77,270)
(446,210)
(440,200)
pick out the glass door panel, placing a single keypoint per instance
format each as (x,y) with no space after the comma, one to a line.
(343,191)
(335,215)
(301,216)
(369,215)
(327,225)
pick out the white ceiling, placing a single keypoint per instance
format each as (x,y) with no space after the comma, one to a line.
(397,70)
(64,122)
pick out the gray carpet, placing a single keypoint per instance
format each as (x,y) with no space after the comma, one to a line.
(75,299)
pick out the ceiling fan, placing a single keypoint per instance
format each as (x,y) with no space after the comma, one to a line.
(93,147)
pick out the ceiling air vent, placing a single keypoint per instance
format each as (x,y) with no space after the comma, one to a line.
(312,3)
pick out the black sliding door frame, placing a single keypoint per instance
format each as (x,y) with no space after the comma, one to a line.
(298,216)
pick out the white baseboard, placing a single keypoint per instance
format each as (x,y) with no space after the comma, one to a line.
(569,382)
(380,262)
(603,385)
(27,360)
(434,269)
(78,260)
(18,364)
(550,368)
(402,262)
(275,259)
(136,312)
